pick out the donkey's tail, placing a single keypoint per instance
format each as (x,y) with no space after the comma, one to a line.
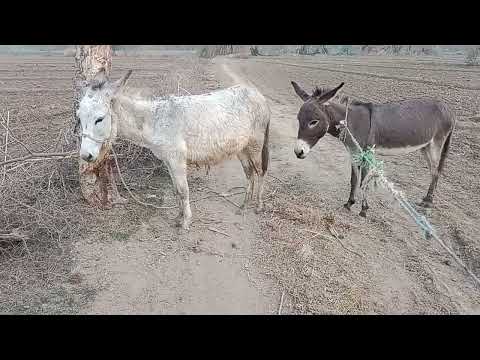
(265,150)
(445,149)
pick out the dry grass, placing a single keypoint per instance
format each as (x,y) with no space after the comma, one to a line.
(41,208)
(299,250)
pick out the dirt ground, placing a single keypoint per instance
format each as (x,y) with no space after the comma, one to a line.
(131,260)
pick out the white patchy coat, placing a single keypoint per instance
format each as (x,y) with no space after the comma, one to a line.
(200,129)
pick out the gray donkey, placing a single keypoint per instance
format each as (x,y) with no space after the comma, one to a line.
(394,128)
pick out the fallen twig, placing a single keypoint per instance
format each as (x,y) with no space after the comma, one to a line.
(281,304)
(332,238)
(271,194)
(224,196)
(334,232)
(15,235)
(440,281)
(6,149)
(274,177)
(41,156)
(218,231)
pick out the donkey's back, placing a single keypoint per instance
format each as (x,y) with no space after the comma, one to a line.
(220,124)
(403,126)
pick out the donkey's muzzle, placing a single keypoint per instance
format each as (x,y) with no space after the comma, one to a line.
(87,157)
(300,154)
(301,149)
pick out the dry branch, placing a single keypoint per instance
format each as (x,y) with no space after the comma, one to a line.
(13,137)
(128,189)
(6,148)
(281,304)
(317,234)
(32,156)
(15,235)
(218,231)
(41,156)
(224,197)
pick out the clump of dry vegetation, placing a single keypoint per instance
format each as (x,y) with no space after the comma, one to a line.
(312,50)
(41,208)
(472,56)
(210,51)
(300,251)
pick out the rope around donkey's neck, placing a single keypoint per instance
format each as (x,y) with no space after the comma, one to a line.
(366,158)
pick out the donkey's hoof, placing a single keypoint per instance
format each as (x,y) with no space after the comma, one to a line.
(426,204)
(348,205)
(242,211)
(182,232)
(178,221)
(185,224)
(259,209)
(363,213)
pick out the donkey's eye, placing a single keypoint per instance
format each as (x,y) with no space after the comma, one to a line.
(313,123)
(98,120)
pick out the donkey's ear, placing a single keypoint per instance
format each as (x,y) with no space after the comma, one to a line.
(117,85)
(325,98)
(82,86)
(99,79)
(300,92)
(100,76)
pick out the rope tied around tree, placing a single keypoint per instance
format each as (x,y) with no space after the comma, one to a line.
(365,158)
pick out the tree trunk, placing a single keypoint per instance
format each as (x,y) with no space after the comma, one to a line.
(97,183)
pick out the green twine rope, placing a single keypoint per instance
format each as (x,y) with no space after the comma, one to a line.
(366,159)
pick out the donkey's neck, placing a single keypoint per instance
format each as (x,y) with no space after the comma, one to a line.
(336,113)
(359,122)
(133,118)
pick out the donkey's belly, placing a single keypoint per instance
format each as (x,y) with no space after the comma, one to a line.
(203,153)
(398,150)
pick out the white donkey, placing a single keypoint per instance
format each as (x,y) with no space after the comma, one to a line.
(200,129)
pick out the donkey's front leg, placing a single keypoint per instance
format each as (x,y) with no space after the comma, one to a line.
(178,172)
(353,187)
(364,185)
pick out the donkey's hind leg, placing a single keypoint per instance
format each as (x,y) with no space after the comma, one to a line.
(260,172)
(254,156)
(432,153)
(249,173)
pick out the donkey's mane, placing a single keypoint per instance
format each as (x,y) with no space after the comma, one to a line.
(97,84)
(341,99)
(319,91)
(138,93)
